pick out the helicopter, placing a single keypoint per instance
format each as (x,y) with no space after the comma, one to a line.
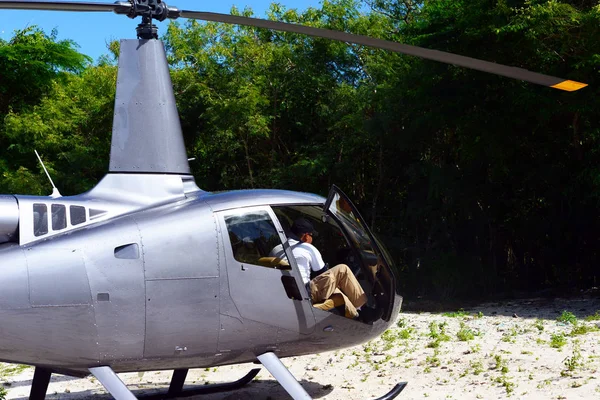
(146,271)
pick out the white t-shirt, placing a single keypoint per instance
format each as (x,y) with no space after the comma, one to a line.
(307,257)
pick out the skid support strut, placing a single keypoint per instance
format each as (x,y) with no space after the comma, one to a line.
(112,383)
(39,386)
(177,382)
(294,389)
(285,378)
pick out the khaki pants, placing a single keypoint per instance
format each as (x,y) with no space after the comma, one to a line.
(339,277)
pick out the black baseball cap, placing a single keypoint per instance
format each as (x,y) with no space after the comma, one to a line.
(302,225)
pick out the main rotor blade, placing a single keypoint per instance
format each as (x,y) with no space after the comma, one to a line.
(120,7)
(436,55)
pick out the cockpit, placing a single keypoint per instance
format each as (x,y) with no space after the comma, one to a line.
(254,234)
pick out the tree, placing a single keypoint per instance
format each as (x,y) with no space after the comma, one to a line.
(30,62)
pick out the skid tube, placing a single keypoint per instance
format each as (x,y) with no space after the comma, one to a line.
(394,392)
(176,387)
(291,385)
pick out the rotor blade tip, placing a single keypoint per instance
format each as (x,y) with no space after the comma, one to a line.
(569,86)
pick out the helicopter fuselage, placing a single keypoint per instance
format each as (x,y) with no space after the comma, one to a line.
(157,288)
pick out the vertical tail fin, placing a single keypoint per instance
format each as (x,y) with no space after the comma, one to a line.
(147,136)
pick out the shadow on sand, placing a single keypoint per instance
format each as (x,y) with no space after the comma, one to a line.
(550,308)
(257,389)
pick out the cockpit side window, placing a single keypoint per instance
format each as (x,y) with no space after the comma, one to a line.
(59,217)
(40,219)
(254,239)
(77,215)
(330,242)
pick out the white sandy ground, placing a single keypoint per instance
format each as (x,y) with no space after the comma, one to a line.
(510,356)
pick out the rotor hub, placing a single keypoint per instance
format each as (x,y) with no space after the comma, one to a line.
(149,10)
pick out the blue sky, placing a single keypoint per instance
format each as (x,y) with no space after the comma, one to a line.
(93,30)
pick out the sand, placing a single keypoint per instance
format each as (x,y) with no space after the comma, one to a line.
(504,350)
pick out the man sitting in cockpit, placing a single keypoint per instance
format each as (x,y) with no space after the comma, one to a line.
(327,280)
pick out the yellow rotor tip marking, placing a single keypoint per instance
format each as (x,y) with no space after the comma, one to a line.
(569,86)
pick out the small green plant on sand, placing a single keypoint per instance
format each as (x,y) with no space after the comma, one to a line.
(2,392)
(582,329)
(12,369)
(406,333)
(437,332)
(500,364)
(594,317)
(476,348)
(567,317)
(389,337)
(457,314)
(477,367)
(433,360)
(510,337)
(465,334)
(539,324)
(557,340)
(573,363)
(506,383)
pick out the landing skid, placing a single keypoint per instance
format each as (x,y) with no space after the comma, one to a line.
(113,384)
(285,378)
(179,375)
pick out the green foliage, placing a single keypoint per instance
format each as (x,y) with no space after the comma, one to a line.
(477,367)
(500,364)
(457,314)
(12,369)
(389,337)
(29,64)
(70,128)
(462,174)
(437,332)
(582,329)
(505,382)
(557,340)
(539,324)
(594,317)
(465,334)
(574,362)
(3,392)
(433,360)
(406,333)
(567,317)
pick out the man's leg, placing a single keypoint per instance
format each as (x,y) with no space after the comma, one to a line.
(340,276)
(347,283)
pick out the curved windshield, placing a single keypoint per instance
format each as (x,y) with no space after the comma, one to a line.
(376,262)
(351,221)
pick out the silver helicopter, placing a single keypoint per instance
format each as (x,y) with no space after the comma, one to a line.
(148,272)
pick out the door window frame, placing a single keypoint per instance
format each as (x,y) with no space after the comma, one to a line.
(382,255)
(293,270)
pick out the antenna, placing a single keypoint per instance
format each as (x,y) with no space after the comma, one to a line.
(55,193)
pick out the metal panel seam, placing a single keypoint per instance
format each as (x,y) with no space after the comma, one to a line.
(143,256)
(181,278)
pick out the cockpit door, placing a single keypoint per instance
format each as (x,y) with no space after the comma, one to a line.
(376,264)
(263,287)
